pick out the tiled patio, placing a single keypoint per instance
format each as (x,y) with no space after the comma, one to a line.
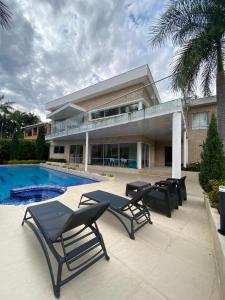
(171,259)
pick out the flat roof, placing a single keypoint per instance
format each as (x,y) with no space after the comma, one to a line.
(141,74)
(203,101)
(35,125)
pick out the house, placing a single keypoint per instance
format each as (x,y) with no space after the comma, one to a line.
(30,132)
(122,122)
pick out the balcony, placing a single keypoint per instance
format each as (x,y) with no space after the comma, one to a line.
(70,128)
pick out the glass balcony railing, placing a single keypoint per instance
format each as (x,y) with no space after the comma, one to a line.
(156,110)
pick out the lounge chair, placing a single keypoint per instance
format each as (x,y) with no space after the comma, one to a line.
(50,223)
(133,210)
(162,197)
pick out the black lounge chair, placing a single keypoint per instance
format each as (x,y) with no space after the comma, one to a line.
(162,197)
(181,188)
(53,223)
(133,210)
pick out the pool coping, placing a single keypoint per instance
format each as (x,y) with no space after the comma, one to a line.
(87,175)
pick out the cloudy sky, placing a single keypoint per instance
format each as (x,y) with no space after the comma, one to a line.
(55,47)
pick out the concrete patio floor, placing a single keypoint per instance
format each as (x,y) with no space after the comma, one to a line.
(171,259)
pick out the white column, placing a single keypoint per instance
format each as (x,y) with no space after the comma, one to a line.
(139,154)
(86,153)
(176,145)
(140,105)
(185,149)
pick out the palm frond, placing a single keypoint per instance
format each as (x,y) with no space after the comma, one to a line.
(208,74)
(181,19)
(5,15)
(189,61)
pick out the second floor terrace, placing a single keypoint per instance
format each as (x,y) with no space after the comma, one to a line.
(89,121)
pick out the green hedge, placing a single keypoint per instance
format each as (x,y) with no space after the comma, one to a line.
(59,160)
(19,150)
(29,161)
(214,193)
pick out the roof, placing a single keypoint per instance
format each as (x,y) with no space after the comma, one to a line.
(35,125)
(141,74)
(203,101)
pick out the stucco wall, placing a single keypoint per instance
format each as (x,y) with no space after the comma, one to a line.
(197,136)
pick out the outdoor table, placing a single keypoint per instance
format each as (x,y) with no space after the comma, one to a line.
(136,186)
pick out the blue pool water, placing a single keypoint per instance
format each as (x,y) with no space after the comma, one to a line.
(20,176)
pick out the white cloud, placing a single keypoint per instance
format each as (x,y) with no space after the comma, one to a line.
(56,47)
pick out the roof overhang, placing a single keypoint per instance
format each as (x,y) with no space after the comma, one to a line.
(139,75)
(66,111)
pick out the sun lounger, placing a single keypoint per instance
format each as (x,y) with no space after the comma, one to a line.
(123,209)
(52,223)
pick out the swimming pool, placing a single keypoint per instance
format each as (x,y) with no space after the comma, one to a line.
(18,176)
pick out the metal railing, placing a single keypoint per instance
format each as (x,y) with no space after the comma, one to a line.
(153,111)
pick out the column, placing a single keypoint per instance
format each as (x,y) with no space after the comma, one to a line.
(139,153)
(86,153)
(176,145)
(185,149)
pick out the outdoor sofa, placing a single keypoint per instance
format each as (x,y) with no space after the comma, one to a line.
(53,225)
(162,197)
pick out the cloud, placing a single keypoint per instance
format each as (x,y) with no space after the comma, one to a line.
(56,47)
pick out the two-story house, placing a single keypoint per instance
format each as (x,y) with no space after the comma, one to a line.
(119,122)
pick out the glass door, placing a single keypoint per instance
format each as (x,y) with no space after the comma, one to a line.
(76,154)
(145,155)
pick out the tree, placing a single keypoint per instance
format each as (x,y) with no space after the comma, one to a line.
(198,27)
(14,147)
(5,109)
(40,143)
(5,15)
(212,157)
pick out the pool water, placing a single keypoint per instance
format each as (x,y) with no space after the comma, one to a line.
(20,176)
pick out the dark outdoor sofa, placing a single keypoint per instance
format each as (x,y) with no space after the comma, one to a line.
(162,197)
(181,188)
(53,224)
(134,211)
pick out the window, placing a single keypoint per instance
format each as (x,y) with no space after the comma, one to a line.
(200,120)
(114,111)
(59,149)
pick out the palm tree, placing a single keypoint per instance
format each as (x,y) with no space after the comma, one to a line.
(198,28)
(5,15)
(5,109)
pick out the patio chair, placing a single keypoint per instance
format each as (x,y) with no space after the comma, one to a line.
(134,210)
(181,188)
(161,198)
(77,250)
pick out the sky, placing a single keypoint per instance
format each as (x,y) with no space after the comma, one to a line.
(55,47)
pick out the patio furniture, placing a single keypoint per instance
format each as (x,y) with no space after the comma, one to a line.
(112,162)
(181,188)
(162,198)
(133,210)
(77,250)
(136,186)
(123,162)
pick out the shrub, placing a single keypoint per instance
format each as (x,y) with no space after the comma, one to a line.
(26,150)
(213,160)
(59,160)
(4,150)
(29,161)
(193,167)
(213,194)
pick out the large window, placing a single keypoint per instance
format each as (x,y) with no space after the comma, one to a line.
(114,111)
(122,155)
(200,120)
(59,149)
